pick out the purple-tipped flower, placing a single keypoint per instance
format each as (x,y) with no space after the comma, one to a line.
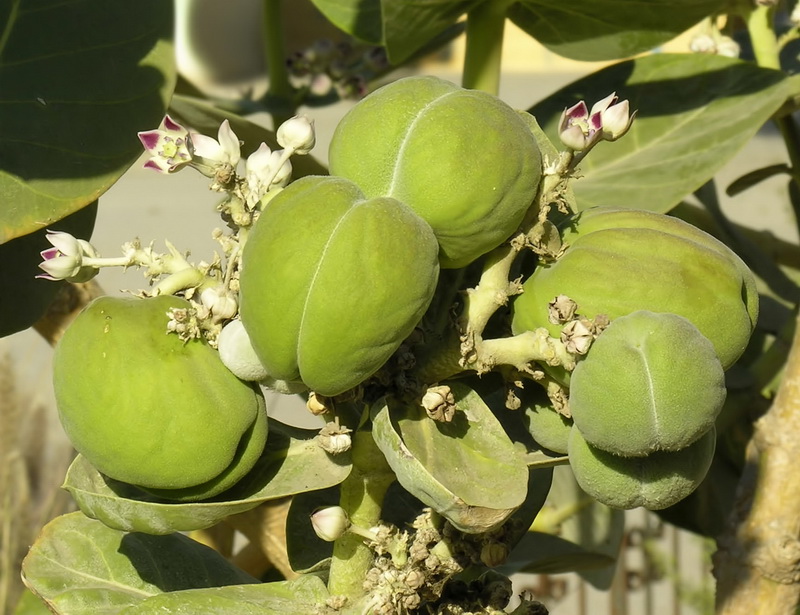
(65,260)
(581,129)
(578,129)
(615,117)
(169,146)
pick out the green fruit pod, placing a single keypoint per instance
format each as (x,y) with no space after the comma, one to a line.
(146,408)
(464,160)
(654,482)
(549,428)
(651,382)
(618,261)
(332,282)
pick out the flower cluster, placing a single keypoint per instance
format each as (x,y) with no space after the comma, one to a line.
(172,147)
(581,129)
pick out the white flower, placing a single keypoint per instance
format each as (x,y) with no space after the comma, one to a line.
(263,172)
(226,149)
(330,523)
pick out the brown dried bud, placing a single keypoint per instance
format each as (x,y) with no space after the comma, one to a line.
(561,309)
(439,403)
(577,336)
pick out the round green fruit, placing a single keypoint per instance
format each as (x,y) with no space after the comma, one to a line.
(462,159)
(549,428)
(654,482)
(650,382)
(332,282)
(618,261)
(146,408)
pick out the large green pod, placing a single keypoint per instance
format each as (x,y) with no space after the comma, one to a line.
(146,408)
(655,481)
(618,261)
(651,382)
(462,159)
(332,282)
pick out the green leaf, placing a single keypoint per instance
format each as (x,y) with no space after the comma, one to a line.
(292,463)
(467,470)
(19,266)
(594,30)
(402,27)
(755,177)
(79,566)
(301,596)
(78,80)
(695,112)
(307,552)
(206,119)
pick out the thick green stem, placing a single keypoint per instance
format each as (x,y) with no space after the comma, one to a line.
(485,26)
(362,495)
(281,93)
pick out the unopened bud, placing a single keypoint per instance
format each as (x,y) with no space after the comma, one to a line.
(237,354)
(330,523)
(297,134)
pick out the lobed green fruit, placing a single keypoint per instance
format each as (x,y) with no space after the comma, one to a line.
(621,260)
(332,282)
(654,482)
(146,408)
(462,159)
(650,382)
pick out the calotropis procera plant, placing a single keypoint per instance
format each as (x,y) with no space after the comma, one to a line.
(509,323)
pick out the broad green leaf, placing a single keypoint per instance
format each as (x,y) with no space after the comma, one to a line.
(572,532)
(402,27)
(78,80)
(307,552)
(301,596)
(30,604)
(467,470)
(292,463)
(206,119)
(695,112)
(594,30)
(78,566)
(24,298)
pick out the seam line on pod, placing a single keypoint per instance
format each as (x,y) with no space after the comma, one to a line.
(316,273)
(650,390)
(401,150)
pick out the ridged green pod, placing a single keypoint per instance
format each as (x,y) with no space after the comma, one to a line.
(146,408)
(332,282)
(462,159)
(549,428)
(651,382)
(618,261)
(654,482)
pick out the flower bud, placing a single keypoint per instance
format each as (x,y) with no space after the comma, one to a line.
(64,261)
(297,134)
(220,303)
(330,523)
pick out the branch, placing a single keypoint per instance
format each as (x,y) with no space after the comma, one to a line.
(757,564)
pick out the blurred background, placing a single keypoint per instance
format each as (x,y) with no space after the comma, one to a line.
(660,571)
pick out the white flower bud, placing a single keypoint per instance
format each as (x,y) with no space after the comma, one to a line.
(330,523)
(297,134)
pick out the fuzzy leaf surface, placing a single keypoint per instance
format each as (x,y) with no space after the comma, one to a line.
(292,463)
(595,30)
(467,470)
(78,80)
(79,566)
(695,113)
